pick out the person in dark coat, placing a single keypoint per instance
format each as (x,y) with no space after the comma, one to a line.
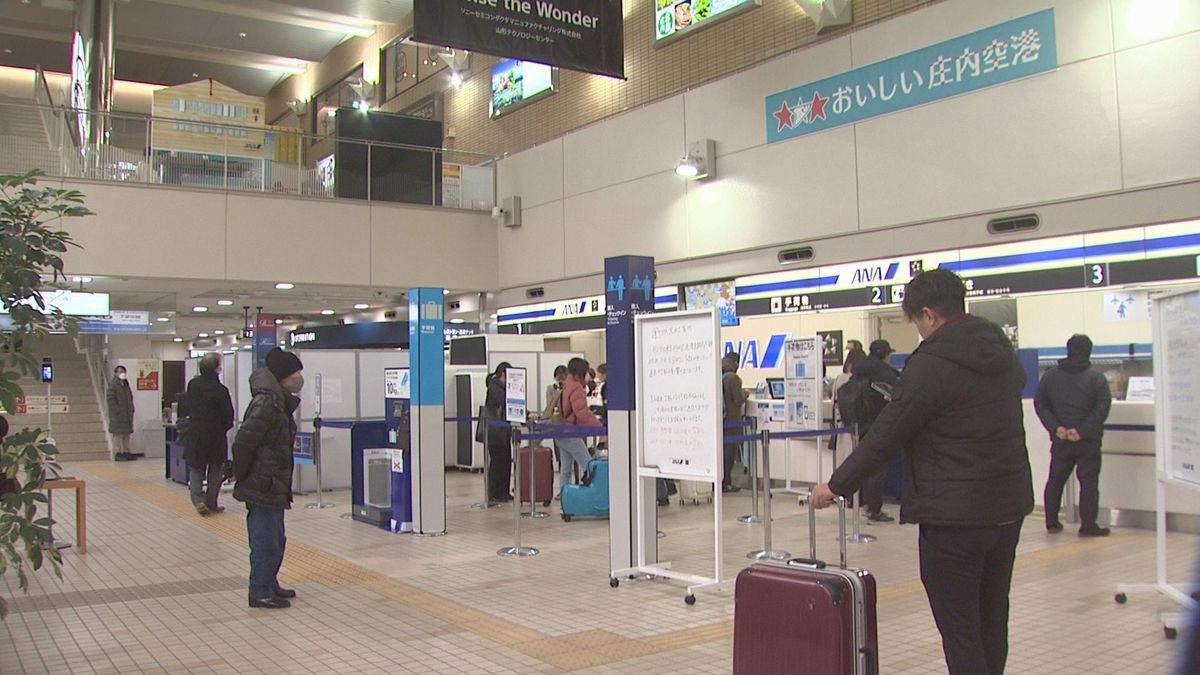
(262,467)
(957,412)
(734,403)
(1073,402)
(209,409)
(499,439)
(120,415)
(874,369)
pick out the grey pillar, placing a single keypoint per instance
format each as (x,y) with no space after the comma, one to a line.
(92,60)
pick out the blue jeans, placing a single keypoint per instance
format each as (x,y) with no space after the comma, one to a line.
(576,450)
(267,542)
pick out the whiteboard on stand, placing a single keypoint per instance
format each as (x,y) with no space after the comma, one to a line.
(679,393)
(1177,370)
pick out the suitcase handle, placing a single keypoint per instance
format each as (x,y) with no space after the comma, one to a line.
(807,562)
(812,528)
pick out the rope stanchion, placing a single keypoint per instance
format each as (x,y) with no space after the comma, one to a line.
(533,512)
(767,553)
(753,518)
(488,502)
(517,550)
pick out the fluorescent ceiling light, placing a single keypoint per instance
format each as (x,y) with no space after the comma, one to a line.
(177,340)
(199,309)
(362,305)
(163,319)
(224,303)
(278,321)
(218,332)
(284,286)
(457,321)
(445,291)
(203,335)
(327,312)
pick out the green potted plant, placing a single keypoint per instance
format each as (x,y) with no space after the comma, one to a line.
(31,247)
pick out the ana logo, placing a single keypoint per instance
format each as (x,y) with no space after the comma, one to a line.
(298,338)
(755,355)
(873,274)
(574,308)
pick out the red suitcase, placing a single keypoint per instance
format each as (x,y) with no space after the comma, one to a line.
(804,616)
(543,469)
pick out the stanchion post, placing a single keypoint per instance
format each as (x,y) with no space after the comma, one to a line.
(533,512)
(767,553)
(516,550)
(857,537)
(753,518)
(487,502)
(316,450)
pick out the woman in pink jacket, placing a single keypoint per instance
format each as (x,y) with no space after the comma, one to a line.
(575,411)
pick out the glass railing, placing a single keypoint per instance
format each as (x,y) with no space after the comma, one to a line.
(131,148)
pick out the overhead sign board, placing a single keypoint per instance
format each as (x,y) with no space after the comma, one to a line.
(585,35)
(73,303)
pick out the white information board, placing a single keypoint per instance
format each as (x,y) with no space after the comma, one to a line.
(515,396)
(1177,369)
(396,383)
(679,392)
(803,366)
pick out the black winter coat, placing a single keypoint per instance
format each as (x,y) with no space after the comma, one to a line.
(1076,397)
(262,448)
(210,410)
(497,437)
(869,371)
(957,413)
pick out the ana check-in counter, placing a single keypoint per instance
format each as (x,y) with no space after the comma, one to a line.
(805,461)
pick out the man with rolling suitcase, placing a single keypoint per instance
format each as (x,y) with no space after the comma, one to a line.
(957,411)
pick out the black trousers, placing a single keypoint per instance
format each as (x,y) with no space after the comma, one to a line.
(732,451)
(967,572)
(1083,458)
(499,472)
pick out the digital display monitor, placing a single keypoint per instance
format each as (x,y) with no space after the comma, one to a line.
(516,83)
(47,370)
(718,294)
(775,386)
(673,18)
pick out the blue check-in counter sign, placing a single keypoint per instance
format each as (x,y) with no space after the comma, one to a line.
(995,55)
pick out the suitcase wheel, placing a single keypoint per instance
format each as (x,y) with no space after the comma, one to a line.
(546,503)
(689,599)
(1121,598)
(566,517)
(614,582)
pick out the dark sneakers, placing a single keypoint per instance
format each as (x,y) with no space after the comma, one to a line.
(1054,528)
(880,517)
(1095,532)
(270,603)
(285,593)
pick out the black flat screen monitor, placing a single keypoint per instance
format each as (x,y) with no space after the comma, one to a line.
(776,387)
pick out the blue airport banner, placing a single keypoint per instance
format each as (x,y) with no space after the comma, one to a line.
(426,360)
(995,55)
(629,290)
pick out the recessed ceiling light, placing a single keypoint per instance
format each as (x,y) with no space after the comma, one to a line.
(284,286)
(224,303)
(178,340)
(327,312)
(278,321)
(241,35)
(445,291)
(195,74)
(199,309)
(458,321)
(203,335)
(247,347)
(218,332)
(81,280)
(362,305)
(163,319)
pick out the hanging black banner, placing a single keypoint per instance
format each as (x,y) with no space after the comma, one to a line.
(586,35)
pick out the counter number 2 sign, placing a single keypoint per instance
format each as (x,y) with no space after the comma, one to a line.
(1097,274)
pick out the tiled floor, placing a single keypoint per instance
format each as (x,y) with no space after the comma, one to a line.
(162,590)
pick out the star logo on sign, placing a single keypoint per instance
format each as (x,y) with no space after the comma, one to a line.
(784,117)
(802,108)
(817,106)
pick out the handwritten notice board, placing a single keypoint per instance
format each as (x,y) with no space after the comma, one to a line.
(1177,367)
(679,392)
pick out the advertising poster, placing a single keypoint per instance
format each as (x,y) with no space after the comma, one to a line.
(584,35)
(515,396)
(451,185)
(674,17)
(147,375)
(302,448)
(802,383)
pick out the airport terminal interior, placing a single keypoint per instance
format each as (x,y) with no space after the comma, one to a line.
(515,250)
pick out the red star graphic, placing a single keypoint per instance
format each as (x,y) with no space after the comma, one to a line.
(818,107)
(784,116)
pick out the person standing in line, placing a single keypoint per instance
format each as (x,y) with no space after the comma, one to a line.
(576,412)
(120,415)
(853,357)
(210,412)
(499,439)
(553,412)
(957,412)
(874,369)
(1073,402)
(735,410)
(262,467)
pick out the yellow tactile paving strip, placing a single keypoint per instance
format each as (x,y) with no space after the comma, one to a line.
(584,649)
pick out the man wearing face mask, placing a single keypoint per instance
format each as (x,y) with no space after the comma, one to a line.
(262,467)
(120,415)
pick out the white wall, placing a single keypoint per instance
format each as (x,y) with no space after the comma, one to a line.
(1117,116)
(141,231)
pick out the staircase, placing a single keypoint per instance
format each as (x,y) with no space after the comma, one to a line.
(23,144)
(79,434)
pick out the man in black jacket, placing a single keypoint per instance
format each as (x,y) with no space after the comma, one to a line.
(874,370)
(1073,402)
(262,466)
(209,411)
(956,411)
